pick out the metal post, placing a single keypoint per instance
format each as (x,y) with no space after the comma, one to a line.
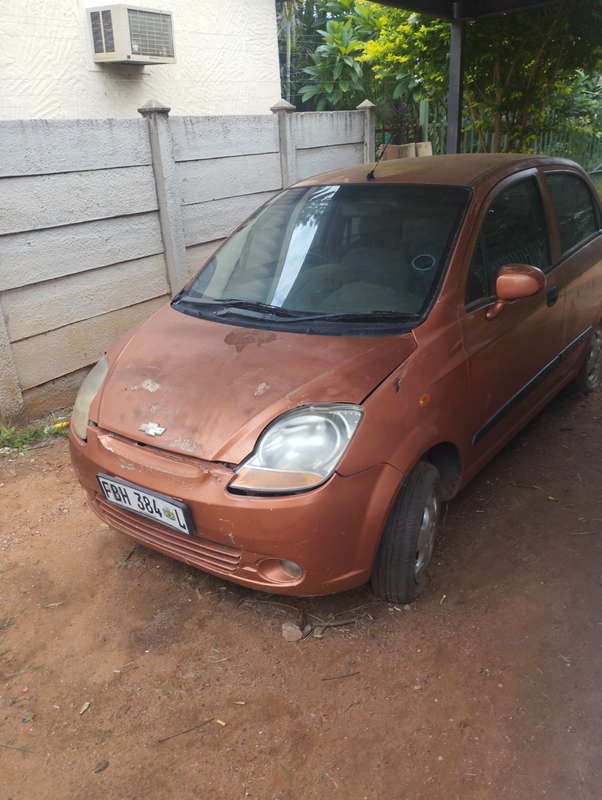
(454,102)
(424,119)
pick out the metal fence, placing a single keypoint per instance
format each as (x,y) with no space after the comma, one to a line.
(584,148)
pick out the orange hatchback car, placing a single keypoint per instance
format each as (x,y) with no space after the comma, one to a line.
(350,357)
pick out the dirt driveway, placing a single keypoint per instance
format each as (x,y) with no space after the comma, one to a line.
(487,687)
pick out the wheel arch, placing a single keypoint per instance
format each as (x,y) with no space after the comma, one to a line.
(446,457)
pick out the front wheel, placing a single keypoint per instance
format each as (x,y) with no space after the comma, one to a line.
(408,540)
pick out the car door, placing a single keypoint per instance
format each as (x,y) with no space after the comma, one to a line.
(579,254)
(511,358)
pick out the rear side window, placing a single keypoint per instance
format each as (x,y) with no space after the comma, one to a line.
(575,212)
(514,232)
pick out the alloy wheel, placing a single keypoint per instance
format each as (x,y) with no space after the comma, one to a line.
(426,536)
(594,359)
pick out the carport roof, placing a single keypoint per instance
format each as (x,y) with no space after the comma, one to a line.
(466,9)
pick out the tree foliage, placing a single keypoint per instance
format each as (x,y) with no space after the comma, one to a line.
(336,78)
(515,64)
(297,40)
(411,45)
(577,105)
(321,44)
(520,74)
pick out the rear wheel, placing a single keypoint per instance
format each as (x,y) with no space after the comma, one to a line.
(589,376)
(408,540)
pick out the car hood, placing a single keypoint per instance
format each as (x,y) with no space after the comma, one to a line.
(214,387)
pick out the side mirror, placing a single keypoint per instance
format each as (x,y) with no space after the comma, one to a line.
(513,282)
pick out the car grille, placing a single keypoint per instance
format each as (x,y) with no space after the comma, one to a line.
(195,551)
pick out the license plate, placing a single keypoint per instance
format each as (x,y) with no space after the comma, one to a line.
(148,504)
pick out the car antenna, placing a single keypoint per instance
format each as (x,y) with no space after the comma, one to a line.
(370,175)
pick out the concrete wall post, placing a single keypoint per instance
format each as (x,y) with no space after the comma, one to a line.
(369,110)
(12,410)
(286,134)
(168,194)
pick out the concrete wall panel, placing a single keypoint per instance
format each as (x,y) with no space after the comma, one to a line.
(324,159)
(44,201)
(205,222)
(327,128)
(43,147)
(41,255)
(215,179)
(198,254)
(32,310)
(48,356)
(61,392)
(196,138)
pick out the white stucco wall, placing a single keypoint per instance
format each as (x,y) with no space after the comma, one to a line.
(226,50)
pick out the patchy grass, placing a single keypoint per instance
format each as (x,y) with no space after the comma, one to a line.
(14,438)
(15,441)
(24,748)
(21,671)
(12,565)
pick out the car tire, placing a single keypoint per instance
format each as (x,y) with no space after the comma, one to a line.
(407,543)
(589,377)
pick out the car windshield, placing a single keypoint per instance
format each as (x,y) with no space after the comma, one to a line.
(336,251)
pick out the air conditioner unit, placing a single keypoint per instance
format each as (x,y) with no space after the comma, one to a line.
(131,35)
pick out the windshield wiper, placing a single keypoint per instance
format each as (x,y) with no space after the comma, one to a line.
(246,308)
(343,315)
(253,308)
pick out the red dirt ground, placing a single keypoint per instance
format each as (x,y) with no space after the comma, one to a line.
(487,687)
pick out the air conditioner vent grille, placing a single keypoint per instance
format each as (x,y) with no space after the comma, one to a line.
(150,34)
(107,29)
(97,32)
(102,31)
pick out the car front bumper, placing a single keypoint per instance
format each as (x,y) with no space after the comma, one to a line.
(332,532)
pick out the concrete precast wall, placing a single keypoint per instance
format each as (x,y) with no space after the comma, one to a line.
(328,140)
(101,221)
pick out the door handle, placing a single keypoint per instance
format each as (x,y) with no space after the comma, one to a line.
(552,296)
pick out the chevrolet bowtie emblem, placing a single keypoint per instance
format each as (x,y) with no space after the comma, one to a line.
(152,429)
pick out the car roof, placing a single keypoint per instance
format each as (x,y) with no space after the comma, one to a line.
(453,170)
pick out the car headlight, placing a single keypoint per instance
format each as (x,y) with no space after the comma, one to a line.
(87,392)
(299,450)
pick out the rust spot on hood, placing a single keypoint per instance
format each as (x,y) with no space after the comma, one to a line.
(148,385)
(262,388)
(241,338)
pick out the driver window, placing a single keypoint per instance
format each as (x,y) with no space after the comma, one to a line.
(514,232)
(574,209)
